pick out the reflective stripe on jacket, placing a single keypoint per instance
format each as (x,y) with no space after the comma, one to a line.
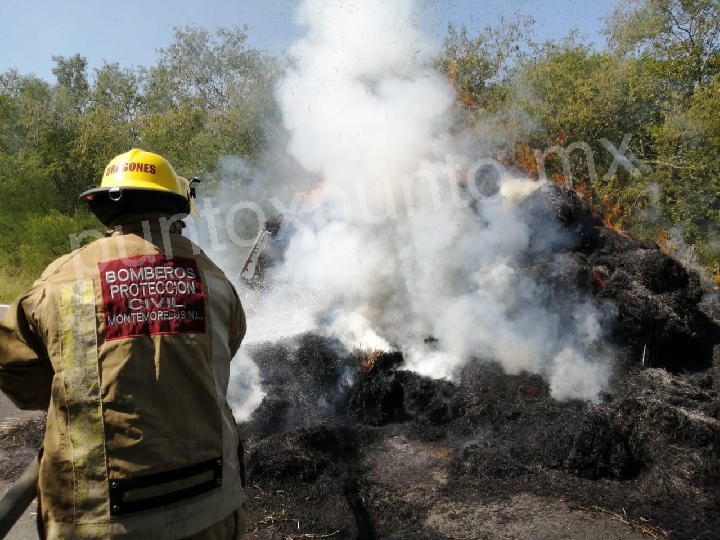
(128,343)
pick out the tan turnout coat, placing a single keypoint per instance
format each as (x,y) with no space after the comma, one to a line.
(127,342)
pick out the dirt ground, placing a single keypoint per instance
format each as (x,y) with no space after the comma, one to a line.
(402,493)
(521,517)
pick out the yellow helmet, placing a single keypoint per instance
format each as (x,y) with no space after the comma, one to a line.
(130,178)
(138,169)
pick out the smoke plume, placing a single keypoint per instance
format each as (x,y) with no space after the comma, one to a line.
(400,247)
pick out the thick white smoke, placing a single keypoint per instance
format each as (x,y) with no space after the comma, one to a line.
(396,253)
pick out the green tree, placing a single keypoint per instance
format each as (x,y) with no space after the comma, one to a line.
(209,96)
(677,45)
(480,67)
(576,102)
(682,37)
(112,120)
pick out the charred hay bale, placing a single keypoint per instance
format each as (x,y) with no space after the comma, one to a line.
(658,321)
(562,275)
(293,457)
(557,219)
(516,411)
(554,202)
(494,397)
(317,360)
(274,360)
(376,398)
(382,394)
(660,426)
(661,421)
(667,409)
(640,311)
(302,378)
(306,360)
(689,390)
(660,274)
(661,330)
(273,415)
(601,449)
(430,402)
(603,244)
(657,300)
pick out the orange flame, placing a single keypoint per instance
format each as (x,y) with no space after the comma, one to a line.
(559,178)
(666,245)
(468,101)
(525,159)
(308,194)
(613,212)
(583,190)
(379,360)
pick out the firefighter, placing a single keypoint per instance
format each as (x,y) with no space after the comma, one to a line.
(127,343)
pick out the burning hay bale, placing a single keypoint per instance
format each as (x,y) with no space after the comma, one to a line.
(350,444)
(378,395)
(659,321)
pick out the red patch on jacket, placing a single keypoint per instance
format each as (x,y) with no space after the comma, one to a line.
(146,295)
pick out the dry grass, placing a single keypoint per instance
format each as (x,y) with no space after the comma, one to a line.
(20,439)
(640,525)
(279,523)
(12,286)
(18,432)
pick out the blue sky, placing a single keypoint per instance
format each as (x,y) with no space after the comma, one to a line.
(130,32)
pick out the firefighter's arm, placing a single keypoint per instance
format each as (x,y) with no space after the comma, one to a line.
(26,373)
(238,324)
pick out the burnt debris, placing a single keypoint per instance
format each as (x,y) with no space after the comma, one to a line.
(374,457)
